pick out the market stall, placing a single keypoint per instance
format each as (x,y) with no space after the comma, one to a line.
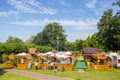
(22,60)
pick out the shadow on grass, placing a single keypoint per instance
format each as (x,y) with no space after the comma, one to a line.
(2,71)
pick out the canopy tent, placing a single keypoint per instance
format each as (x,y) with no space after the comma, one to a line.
(23,58)
(62,56)
(68,53)
(49,53)
(59,55)
(41,54)
(60,52)
(22,54)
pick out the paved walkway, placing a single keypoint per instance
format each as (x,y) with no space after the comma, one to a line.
(35,75)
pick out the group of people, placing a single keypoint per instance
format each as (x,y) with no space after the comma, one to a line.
(30,65)
(51,67)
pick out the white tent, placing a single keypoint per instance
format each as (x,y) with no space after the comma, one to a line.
(61,56)
(60,52)
(22,54)
(68,53)
(39,54)
(43,54)
(49,53)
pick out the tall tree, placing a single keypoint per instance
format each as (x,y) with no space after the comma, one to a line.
(93,41)
(79,45)
(31,39)
(51,34)
(13,40)
(117,3)
(109,31)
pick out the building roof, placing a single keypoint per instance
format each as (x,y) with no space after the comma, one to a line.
(90,50)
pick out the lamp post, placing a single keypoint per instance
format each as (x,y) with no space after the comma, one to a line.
(58,40)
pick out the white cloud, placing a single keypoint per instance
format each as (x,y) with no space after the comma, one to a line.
(101,7)
(62,2)
(80,24)
(5,14)
(30,6)
(91,4)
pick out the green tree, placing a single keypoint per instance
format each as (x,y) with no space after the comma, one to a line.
(79,45)
(109,31)
(117,3)
(93,41)
(31,39)
(13,40)
(49,35)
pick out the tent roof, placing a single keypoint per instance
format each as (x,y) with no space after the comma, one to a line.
(22,54)
(90,50)
(68,53)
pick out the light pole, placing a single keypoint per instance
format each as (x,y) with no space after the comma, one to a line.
(58,40)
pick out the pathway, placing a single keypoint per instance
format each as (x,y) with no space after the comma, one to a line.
(35,75)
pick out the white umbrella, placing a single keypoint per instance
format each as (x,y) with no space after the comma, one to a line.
(62,56)
(43,54)
(60,52)
(68,53)
(52,55)
(22,54)
(49,53)
(40,54)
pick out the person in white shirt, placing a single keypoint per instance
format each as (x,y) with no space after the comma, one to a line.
(36,65)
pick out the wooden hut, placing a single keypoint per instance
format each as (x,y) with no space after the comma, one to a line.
(95,59)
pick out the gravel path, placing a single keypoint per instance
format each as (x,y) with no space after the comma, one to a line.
(35,75)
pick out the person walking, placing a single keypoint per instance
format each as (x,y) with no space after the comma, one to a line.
(36,65)
(29,65)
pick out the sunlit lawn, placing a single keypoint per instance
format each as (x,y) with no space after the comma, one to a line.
(88,75)
(7,76)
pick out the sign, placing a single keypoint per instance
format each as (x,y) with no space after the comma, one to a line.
(32,50)
(118,61)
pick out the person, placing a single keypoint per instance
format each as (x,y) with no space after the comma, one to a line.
(29,65)
(36,65)
(58,68)
(63,69)
(51,65)
(22,61)
(45,67)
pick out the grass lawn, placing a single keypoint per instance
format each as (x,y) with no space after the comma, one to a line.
(88,75)
(7,76)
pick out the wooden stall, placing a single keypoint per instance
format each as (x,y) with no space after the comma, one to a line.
(96,60)
(8,64)
(22,60)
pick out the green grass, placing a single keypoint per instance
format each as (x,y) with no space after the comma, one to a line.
(88,75)
(7,76)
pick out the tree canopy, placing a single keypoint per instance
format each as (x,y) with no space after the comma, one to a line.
(52,33)
(13,40)
(109,30)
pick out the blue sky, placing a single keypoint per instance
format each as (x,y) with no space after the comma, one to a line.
(23,18)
